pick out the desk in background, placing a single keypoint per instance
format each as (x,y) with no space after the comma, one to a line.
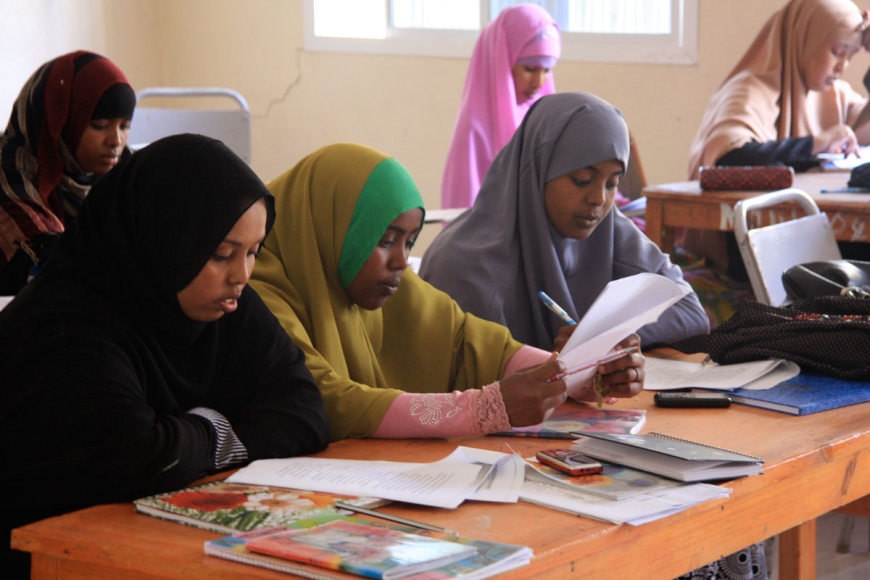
(813,464)
(684,205)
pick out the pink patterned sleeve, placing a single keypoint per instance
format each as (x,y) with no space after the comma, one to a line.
(468,413)
(527,356)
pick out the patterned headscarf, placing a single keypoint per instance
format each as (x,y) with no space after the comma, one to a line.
(41,183)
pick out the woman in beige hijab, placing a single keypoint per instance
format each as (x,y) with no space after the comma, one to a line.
(784,102)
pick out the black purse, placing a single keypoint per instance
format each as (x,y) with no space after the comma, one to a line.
(827,278)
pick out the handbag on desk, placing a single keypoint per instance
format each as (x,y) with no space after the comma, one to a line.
(827,278)
(826,336)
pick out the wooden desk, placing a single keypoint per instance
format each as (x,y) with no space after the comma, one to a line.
(684,205)
(814,464)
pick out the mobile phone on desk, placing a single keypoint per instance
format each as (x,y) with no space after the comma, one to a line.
(569,461)
(692,400)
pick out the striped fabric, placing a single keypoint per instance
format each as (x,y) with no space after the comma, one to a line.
(229,450)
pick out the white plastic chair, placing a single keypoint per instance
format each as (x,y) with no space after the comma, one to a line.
(769,250)
(232,126)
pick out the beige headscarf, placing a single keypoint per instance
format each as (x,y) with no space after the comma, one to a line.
(765,98)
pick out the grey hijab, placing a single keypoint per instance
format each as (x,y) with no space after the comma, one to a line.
(495,257)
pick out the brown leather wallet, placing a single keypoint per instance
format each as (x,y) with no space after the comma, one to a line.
(750,178)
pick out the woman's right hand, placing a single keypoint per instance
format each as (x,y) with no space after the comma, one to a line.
(837,139)
(527,395)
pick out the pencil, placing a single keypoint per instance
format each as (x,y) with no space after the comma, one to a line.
(594,363)
(396,519)
(557,310)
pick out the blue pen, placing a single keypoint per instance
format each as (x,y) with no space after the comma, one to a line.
(557,310)
(847,190)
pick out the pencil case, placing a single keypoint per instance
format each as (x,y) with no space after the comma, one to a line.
(750,178)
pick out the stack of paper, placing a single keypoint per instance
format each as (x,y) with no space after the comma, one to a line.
(665,374)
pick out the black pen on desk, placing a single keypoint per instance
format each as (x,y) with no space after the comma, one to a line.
(396,519)
(557,310)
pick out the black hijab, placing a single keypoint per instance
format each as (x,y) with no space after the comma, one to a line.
(150,225)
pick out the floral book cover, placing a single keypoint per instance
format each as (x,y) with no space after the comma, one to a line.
(590,419)
(229,507)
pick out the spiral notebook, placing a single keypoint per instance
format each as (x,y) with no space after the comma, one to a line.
(668,456)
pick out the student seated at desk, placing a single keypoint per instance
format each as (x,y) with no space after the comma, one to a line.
(544,220)
(784,103)
(68,125)
(511,67)
(139,360)
(393,356)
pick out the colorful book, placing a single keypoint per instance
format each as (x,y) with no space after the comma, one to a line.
(614,482)
(358,548)
(805,394)
(228,507)
(489,558)
(565,421)
(668,456)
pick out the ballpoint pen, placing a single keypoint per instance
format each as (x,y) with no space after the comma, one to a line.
(593,363)
(397,519)
(557,310)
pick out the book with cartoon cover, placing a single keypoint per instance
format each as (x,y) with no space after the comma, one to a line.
(486,559)
(565,421)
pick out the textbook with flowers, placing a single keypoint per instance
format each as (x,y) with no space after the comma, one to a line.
(226,507)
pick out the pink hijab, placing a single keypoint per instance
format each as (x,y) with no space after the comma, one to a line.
(765,98)
(488,113)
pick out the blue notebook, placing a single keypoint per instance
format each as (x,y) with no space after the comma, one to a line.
(805,394)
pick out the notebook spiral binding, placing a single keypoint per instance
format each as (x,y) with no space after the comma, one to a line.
(681,440)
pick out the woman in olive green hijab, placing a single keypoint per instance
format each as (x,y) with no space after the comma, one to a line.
(393,356)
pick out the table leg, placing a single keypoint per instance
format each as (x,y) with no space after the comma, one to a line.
(797,552)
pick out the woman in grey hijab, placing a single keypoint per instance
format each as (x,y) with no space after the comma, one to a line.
(544,220)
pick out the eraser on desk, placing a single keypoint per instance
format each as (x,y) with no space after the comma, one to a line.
(748,178)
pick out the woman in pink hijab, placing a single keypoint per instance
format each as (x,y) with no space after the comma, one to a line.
(510,69)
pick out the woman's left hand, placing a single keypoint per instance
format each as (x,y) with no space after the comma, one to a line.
(620,378)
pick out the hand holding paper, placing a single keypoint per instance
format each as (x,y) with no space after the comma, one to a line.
(621,309)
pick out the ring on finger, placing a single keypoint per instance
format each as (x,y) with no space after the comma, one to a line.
(636,374)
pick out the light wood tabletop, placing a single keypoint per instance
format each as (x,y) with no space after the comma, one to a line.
(813,464)
(685,205)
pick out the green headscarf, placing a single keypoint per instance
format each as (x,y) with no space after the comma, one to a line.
(389,192)
(332,209)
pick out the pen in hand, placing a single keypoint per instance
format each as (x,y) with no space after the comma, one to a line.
(588,365)
(557,310)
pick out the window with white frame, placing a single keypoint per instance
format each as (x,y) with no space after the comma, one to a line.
(634,31)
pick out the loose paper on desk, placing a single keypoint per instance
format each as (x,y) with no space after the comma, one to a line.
(635,510)
(503,482)
(622,307)
(836,161)
(445,483)
(665,374)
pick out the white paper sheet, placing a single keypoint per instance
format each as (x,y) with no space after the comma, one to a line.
(622,308)
(635,510)
(445,483)
(664,374)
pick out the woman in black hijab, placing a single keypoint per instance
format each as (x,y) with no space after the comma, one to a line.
(139,359)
